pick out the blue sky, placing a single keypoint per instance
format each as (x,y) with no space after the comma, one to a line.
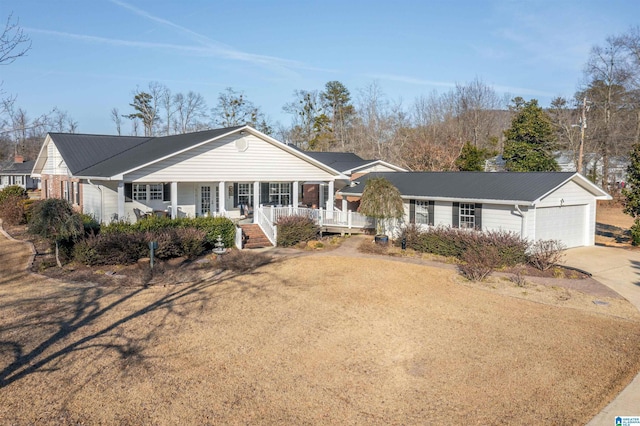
(88,56)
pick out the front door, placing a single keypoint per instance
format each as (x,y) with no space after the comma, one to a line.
(205,200)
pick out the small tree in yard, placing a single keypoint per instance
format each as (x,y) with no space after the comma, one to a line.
(631,193)
(381,201)
(55,220)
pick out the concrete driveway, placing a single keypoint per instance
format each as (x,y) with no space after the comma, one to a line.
(618,269)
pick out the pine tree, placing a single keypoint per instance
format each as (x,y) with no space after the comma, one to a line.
(530,140)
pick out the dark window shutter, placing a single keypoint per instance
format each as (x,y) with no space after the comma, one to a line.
(455,220)
(128,192)
(235,194)
(264,193)
(478,210)
(412,211)
(166,192)
(431,208)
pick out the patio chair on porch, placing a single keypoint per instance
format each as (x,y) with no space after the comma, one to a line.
(140,214)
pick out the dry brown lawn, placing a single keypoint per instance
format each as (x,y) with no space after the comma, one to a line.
(612,225)
(307,340)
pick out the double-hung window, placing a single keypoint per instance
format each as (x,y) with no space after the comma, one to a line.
(156,191)
(245,194)
(140,192)
(280,193)
(467,215)
(422,212)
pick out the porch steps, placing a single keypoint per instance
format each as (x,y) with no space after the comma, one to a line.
(254,237)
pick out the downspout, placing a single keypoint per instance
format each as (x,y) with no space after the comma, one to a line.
(523,215)
(101,198)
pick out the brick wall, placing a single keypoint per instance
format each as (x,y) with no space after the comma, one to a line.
(53,186)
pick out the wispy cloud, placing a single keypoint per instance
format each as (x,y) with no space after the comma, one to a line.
(216,48)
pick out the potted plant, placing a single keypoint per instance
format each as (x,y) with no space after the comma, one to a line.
(383,202)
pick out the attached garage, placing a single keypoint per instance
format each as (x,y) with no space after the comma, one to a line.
(566,223)
(535,205)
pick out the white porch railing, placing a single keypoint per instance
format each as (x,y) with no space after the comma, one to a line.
(322,217)
(267,224)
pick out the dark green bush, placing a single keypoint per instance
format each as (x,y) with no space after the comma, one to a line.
(212,226)
(13,191)
(90,224)
(295,229)
(635,233)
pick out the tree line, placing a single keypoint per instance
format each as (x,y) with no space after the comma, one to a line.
(455,130)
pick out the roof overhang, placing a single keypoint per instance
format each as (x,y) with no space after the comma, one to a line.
(598,193)
(374,163)
(42,158)
(240,131)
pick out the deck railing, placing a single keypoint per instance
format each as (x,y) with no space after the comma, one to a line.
(267,224)
(322,217)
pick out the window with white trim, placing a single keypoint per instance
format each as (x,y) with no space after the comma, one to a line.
(19,180)
(156,191)
(422,212)
(65,191)
(467,215)
(140,192)
(76,193)
(280,193)
(245,194)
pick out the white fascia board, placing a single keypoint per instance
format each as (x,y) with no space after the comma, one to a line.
(453,199)
(41,159)
(595,190)
(381,162)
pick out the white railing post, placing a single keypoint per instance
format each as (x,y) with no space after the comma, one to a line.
(271,214)
(349,219)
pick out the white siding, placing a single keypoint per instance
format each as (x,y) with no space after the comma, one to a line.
(91,200)
(54,164)
(570,192)
(497,217)
(375,168)
(222,161)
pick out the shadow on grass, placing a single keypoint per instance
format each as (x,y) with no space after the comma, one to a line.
(66,317)
(621,235)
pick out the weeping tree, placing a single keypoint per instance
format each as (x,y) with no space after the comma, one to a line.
(381,201)
(54,219)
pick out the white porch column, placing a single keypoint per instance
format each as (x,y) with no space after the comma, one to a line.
(344,203)
(174,200)
(120,200)
(256,194)
(296,195)
(330,200)
(223,196)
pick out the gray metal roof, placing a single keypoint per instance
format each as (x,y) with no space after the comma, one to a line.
(105,156)
(23,168)
(341,161)
(501,186)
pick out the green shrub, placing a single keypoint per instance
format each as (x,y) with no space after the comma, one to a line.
(295,229)
(12,191)
(635,232)
(90,224)
(212,226)
(27,205)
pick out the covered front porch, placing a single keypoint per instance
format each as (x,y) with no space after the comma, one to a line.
(236,200)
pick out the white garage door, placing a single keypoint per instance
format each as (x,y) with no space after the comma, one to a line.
(567,224)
